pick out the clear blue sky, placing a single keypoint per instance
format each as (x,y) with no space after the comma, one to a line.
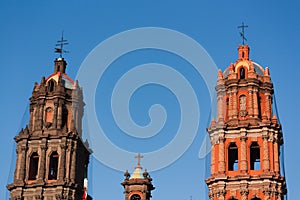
(29,30)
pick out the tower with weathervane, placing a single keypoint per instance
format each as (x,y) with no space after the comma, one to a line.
(246,136)
(52,159)
(138,186)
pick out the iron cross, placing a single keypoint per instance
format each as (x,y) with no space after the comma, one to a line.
(243,32)
(139,156)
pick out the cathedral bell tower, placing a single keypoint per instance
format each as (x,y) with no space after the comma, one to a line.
(51,157)
(138,186)
(246,136)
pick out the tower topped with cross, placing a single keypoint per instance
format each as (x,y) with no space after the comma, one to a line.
(246,136)
(137,186)
(52,159)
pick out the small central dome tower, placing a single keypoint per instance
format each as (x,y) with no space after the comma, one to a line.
(138,186)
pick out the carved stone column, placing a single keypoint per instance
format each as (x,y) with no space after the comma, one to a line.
(250,103)
(41,111)
(255,103)
(230,113)
(268,106)
(235,106)
(68,161)
(42,169)
(73,163)
(22,163)
(38,117)
(266,160)
(276,157)
(220,108)
(244,193)
(279,196)
(18,163)
(62,162)
(221,154)
(31,123)
(244,163)
(59,116)
(75,117)
(221,194)
(211,196)
(212,165)
(266,194)
(55,115)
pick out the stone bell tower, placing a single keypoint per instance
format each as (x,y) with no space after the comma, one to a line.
(246,136)
(138,186)
(51,157)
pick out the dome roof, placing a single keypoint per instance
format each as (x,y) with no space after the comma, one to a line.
(66,80)
(257,68)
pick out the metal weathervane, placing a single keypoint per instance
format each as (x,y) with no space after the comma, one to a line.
(242,34)
(61,44)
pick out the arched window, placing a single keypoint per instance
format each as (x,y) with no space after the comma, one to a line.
(51,84)
(254,156)
(33,166)
(242,73)
(232,157)
(135,197)
(53,166)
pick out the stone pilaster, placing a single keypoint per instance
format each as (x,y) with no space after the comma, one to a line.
(235,106)
(42,169)
(212,165)
(220,108)
(59,116)
(268,105)
(266,194)
(221,154)
(55,115)
(266,159)
(73,163)
(221,194)
(276,157)
(250,103)
(244,193)
(244,163)
(23,163)
(31,124)
(230,109)
(62,162)
(255,103)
